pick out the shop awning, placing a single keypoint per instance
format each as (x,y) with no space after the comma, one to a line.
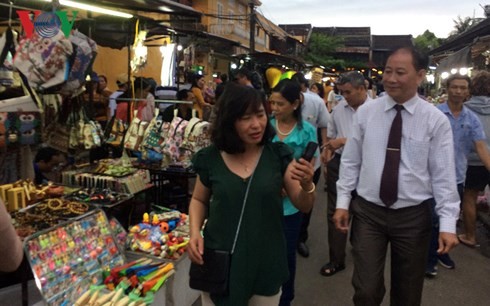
(459,59)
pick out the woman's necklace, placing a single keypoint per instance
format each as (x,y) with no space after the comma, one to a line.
(282,133)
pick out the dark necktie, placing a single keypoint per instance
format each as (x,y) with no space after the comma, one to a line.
(388,191)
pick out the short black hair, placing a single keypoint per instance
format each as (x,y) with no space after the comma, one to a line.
(45,154)
(300,79)
(244,72)
(321,90)
(182,94)
(420,61)
(458,76)
(233,104)
(141,83)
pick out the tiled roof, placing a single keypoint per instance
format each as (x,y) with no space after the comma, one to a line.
(388,42)
(353,36)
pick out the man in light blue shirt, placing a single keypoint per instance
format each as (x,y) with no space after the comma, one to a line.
(423,174)
(468,134)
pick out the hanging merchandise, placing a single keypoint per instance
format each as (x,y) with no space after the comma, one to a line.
(155,137)
(173,141)
(85,50)
(273,75)
(168,65)
(44,60)
(197,135)
(28,124)
(134,135)
(140,51)
(116,135)
(16,94)
(8,43)
(19,128)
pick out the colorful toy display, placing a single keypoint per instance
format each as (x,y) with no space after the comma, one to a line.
(158,235)
(69,257)
(134,283)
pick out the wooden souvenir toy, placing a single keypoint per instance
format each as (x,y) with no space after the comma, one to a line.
(16,198)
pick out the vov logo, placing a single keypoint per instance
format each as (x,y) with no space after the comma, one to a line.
(46,24)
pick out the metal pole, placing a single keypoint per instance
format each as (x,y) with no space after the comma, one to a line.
(252,27)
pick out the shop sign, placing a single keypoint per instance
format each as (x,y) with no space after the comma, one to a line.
(46,24)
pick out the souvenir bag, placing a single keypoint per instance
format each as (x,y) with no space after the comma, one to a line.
(44,61)
(152,133)
(13,79)
(28,124)
(197,135)
(58,132)
(134,135)
(155,138)
(76,123)
(116,135)
(52,106)
(8,43)
(59,138)
(92,135)
(175,136)
(213,275)
(86,50)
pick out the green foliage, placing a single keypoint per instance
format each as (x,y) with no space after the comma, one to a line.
(319,50)
(461,25)
(427,41)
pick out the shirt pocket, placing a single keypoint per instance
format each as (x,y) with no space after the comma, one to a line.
(417,154)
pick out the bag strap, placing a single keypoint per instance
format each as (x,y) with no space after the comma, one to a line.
(189,131)
(245,202)
(177,127)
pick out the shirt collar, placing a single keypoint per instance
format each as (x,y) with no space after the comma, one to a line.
(409,105)
(346,105)
(445,109)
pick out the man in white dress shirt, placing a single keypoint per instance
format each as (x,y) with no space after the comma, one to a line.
(352,87)
(424,172)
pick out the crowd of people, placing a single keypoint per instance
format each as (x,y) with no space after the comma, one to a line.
(399,173)
(387,171)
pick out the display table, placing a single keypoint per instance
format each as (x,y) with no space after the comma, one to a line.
(172,187)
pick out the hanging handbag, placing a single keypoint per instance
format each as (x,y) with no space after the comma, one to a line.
(213,275)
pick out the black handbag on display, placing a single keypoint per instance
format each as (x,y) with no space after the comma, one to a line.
(213,275)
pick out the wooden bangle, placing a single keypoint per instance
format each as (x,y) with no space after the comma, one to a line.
(309,191)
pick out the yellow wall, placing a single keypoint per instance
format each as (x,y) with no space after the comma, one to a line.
(111,62)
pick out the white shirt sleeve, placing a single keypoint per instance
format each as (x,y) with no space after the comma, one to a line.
(443,174)
(350,166)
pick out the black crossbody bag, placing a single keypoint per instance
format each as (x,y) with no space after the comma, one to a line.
(213,275)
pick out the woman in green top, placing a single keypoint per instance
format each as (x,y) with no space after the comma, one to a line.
(241,137)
